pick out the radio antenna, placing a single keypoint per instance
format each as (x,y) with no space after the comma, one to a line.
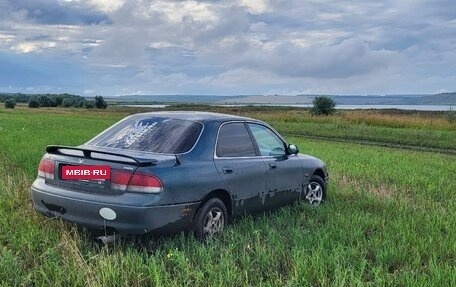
(175,155)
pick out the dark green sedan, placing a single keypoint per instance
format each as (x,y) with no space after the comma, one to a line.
(170,171)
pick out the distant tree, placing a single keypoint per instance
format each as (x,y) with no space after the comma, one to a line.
(323,105)
(22,98)
(17,97)
(33,103)
(58,100)
(45,101)
(451,115)
(100,102)
(79,103)
(67,102)
(88,104)
(10,104)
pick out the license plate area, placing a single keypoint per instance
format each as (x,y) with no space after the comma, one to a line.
(82,183)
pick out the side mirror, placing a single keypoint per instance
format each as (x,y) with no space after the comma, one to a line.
(293,149)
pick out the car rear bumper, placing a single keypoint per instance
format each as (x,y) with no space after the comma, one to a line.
(87,210)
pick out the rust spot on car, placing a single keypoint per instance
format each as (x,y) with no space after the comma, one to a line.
(262,197)
(239,202)
(186,211)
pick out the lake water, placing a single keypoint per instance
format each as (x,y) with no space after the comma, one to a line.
(147,106)
(341,107)
(399,107)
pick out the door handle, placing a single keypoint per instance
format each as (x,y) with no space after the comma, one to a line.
(227,169)
(272,165)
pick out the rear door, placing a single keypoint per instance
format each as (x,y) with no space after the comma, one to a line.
(243,172)
(284,172)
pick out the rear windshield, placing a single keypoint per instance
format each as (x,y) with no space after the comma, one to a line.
(154,134)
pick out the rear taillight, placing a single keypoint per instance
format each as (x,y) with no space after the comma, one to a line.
(135,182)
(147,183)
(120,179)
(46,168)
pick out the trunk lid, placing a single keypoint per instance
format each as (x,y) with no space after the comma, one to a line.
(122,165)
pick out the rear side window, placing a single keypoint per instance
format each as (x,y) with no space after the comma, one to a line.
(234,141)
(155,134)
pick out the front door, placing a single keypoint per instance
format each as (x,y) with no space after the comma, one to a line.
(284,172)
(243,172)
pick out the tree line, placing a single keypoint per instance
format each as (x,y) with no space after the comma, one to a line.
(52,100)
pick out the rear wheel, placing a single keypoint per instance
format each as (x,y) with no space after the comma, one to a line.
(210,219)
(316,190)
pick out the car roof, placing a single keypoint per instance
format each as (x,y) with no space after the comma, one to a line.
(196,116)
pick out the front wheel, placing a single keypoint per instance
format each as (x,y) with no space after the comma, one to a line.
(316,190)
(210,219)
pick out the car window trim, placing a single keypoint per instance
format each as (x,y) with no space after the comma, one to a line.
(256,147)
(248,132)
(255,144)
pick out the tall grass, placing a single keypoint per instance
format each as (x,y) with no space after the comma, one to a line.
(388,221)
(451,116)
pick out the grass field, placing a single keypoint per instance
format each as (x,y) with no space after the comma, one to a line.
(389,220)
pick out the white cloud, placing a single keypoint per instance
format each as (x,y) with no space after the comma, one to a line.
(107,5)
(256,6)
(177,11)
(324,37)
(102,5)
(89,92)
(28,47)
(236,77)
(243,45)
(6,37)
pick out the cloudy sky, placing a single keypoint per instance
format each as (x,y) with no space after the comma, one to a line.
(113,47)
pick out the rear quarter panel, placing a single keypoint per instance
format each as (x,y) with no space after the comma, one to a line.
(190,181)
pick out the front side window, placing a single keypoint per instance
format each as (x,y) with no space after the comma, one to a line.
(268,142)
(234,141)
(153,134)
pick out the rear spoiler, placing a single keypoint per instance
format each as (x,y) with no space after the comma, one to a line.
(87,153)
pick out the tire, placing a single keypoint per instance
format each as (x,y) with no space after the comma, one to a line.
(210,219)
(316,190)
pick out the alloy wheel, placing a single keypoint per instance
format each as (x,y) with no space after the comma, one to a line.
(214,222)
(314,193)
